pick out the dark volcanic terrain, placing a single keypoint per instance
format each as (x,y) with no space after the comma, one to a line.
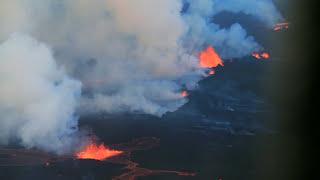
(221,129)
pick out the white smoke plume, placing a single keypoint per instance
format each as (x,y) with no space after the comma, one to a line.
(131,56)
(234,41)
(37,99)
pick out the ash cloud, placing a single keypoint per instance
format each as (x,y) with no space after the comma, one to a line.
(131,56)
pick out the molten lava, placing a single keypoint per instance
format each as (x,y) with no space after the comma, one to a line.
(209,58)
(265,55)
(97,152)
(261,55)
(256,55)
(184,93)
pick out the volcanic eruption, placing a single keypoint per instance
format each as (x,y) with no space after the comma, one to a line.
(52,72)
(94,151)
(209,58)
(97,152)
(132,61)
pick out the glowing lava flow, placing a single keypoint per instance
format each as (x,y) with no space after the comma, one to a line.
(97,152)
(124,157)
(209,58)
(134,171)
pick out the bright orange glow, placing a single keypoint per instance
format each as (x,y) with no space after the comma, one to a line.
(261,55)
(281,26)
(256,55)
(212,72)
(209,58)
(184,93)
(97,152)
(265,55)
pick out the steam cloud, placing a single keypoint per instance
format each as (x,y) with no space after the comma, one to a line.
(131,56)
(37,99)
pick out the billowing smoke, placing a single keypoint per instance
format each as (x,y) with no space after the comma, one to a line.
(131,56)
(232,42)
(37,98)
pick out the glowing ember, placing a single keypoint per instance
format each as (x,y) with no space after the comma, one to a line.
(209,58)
(212,72)
(265,55)
(281,26)
(97,152)
(261,55)
(256,55)
(184,94)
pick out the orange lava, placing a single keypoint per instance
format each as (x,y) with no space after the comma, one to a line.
(261,55)
(184,93)
(265,55)
(256,55)
(281,26)
(97,152)
(209,58)
(212,72)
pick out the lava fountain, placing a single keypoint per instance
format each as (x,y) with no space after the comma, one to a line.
(209,58)
(97,152)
